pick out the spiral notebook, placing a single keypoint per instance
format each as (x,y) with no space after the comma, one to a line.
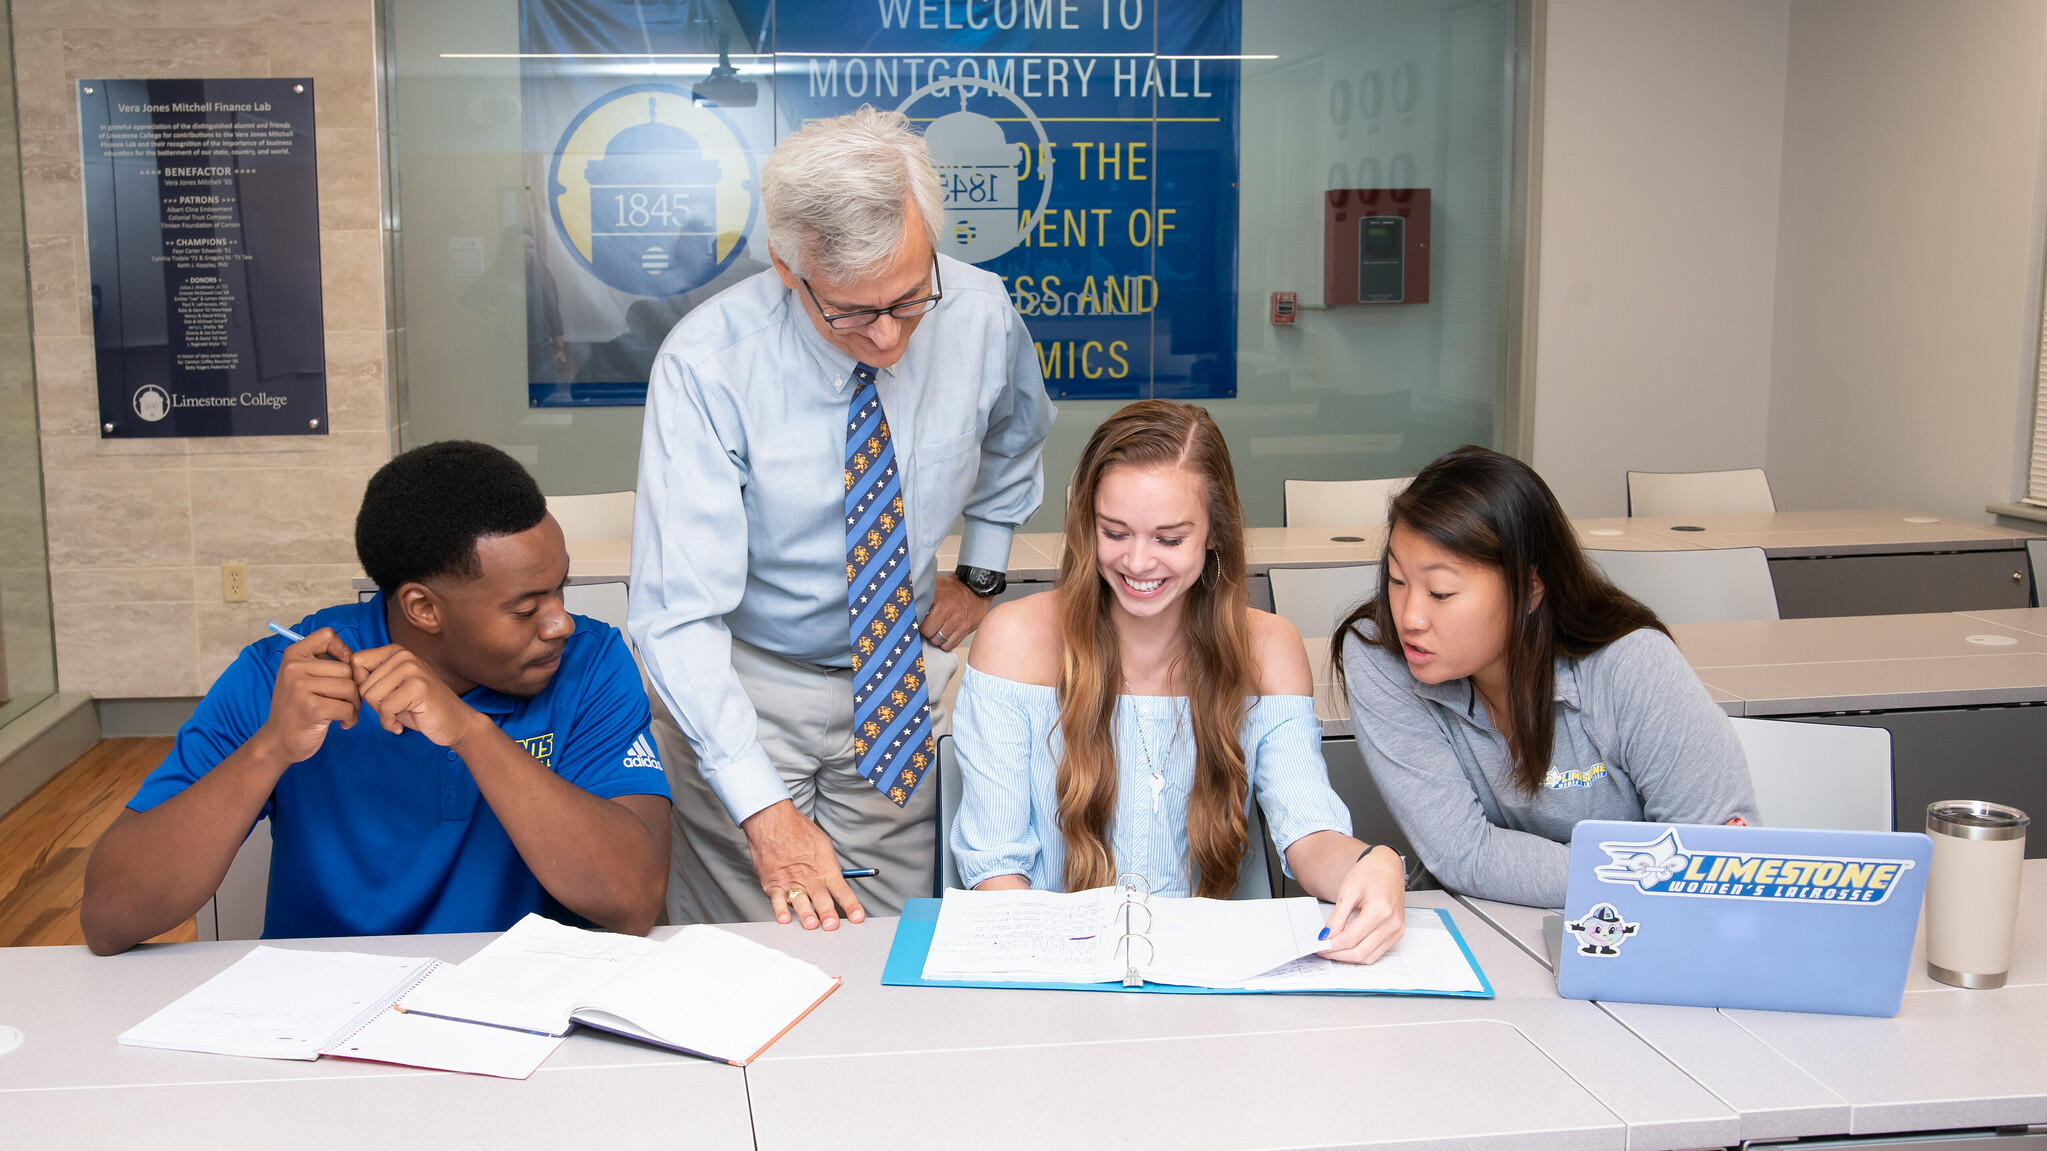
(275,1003)
(1120,939)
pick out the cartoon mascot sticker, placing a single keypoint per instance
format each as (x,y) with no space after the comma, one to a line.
(1601,931)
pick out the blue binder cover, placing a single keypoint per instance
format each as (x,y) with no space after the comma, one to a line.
(905,967)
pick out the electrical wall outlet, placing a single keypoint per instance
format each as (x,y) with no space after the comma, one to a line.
(234,583)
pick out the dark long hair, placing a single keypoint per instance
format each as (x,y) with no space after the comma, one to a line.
(1155,433)
(1494,510)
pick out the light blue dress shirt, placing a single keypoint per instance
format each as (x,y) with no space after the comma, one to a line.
(1006,735)
(739,526)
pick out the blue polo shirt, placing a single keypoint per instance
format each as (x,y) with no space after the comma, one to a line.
(381,834)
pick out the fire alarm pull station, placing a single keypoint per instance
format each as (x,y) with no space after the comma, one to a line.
(1375,246)
(1283,307)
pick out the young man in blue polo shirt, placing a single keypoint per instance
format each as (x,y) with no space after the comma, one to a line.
(448,756)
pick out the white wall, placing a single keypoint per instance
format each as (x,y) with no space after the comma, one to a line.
(1908,275)
(1663,135)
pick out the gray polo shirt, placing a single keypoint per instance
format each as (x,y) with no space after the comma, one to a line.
(1637,737)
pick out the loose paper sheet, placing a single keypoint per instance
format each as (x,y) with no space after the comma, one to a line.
(279,1004)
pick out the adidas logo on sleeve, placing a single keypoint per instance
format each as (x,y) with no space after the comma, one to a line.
(642,754)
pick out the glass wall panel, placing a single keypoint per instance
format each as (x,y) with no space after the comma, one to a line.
(28,664)
(573,176)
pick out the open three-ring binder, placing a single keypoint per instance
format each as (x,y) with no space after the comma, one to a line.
(1123,938)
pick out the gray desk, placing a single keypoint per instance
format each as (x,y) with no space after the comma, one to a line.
(1870,562)
(1828,563)
(1351,1070)
(70,1084)
(1950,1059)
(1961,693)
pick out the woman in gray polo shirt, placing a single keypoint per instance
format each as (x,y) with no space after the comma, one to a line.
(1502,689)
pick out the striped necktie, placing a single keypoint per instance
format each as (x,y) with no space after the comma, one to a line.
(891,701)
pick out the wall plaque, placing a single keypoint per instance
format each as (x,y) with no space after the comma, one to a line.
(202,223)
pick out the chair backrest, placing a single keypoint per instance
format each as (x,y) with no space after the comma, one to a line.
(1342,503)
(605,601)
(2036,557)
(236,909)
(1819,775)
(1695,587)
(603,516)
(1315,600)
(947,872)
(1742,491)
(1254,877)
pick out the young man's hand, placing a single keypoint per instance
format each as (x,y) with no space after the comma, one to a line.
(316,686)
(406,693)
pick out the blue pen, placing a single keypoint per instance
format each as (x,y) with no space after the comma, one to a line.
(294,637)
(859,873)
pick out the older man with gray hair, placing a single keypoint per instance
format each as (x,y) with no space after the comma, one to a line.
(811,435)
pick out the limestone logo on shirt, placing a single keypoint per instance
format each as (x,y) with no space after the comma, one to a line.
(540,747)
(641,754)
(1559,778)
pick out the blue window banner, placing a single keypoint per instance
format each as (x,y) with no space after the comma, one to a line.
(202,222)
(646,178)
(1088,152)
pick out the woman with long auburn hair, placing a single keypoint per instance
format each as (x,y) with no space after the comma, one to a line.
(1502,689)
(1125,721)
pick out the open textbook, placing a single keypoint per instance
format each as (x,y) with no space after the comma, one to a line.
(1109,938)
(702,991)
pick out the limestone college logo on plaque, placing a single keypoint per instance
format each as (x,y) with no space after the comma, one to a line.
(151,402)
(653,192)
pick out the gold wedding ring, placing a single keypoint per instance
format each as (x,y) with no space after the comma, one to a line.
(790,898)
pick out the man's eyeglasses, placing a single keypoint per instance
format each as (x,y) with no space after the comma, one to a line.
(907,309)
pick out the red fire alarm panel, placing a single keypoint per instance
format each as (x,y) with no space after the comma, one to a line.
(1283,307)
(1375,246)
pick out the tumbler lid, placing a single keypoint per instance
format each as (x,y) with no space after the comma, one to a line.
(1975,819)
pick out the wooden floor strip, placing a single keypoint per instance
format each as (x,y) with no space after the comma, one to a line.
(45,841)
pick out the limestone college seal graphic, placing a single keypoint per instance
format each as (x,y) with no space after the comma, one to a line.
(653,192)
(151,402)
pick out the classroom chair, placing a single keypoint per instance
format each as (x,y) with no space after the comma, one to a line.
(1315,600)
(1818,775)
(1695,587)
(1340,503)
(1256,878)
(605,515)
(1742,491)
(236,909)
(2036,558)
(602,516)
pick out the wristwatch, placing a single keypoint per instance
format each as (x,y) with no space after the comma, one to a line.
(981,581)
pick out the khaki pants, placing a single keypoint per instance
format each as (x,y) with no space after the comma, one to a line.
(806,727)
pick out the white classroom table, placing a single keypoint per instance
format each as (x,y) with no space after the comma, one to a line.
(71,1085)
(989,1068)
(1950,1059)
(878,1066)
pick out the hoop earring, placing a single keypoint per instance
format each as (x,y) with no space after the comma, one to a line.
(1210,576)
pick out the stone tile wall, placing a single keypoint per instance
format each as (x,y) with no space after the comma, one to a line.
(137,529)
